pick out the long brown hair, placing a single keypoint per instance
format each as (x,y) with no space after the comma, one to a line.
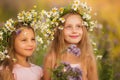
(58,44)
(7,64)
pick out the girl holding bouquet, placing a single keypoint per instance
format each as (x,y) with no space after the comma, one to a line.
(72,28)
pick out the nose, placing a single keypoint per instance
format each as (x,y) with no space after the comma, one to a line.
(74,29)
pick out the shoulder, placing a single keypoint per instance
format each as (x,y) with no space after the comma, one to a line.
(91,60)
(90,56)
(50,56)
(37,69)
(36,66)
(49,60)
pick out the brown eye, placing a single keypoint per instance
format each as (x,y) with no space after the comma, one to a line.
(68,27)
(79,26)
(33,39)
(24,40)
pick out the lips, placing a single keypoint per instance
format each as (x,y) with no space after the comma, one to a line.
(75,36)
(30,49)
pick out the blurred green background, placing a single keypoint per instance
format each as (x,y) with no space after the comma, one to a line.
(107,35)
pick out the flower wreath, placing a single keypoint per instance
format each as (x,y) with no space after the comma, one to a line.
(26,18)
(53,18)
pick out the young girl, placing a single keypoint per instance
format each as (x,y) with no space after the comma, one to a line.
(21,45)
(74,32)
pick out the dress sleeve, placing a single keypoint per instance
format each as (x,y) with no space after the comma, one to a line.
(41,72)
(38,70)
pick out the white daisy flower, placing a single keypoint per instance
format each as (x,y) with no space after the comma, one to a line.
(28,16)
(61,10)
(56,23)
(84,5)
(34,13)
(1,34)
(9,25)
(91,22)
(77,2)
(60,27)
(86,16)
(39,39)
(20,16)
(43,12)
(54,10)
(48,31)
(74,7)
(7,56)
(48,14)
(2,55)
(85,23)
(99,57)
(11,21)
(62,20)
(90,29)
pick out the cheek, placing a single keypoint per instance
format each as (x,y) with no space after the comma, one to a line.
(81,31)
(66,32)
(19,45)
(35,45)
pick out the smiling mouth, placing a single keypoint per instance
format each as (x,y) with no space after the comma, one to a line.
(74,36)
(29,49)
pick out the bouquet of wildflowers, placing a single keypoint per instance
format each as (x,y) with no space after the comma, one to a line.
(65,71)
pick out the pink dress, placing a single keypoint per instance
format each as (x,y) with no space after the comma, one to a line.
(33,72)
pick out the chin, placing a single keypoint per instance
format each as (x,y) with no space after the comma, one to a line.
(73,42)
(29,54)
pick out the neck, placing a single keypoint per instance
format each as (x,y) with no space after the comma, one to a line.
(22,61)
(68,44)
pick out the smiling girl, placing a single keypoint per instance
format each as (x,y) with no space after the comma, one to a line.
(21,44)
(75,31)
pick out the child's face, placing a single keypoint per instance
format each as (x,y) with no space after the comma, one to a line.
(25,43)
(73,29)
